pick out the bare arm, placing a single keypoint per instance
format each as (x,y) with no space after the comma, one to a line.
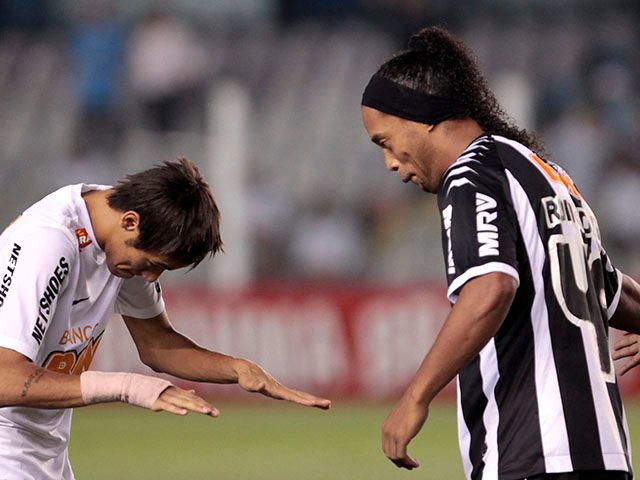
(481,308)
(165,350)
(627,317)
(23,383)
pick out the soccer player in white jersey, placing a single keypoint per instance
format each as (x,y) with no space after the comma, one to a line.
(67,264)
(532,289)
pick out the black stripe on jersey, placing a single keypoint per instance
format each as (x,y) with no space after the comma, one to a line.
(519,438)
(616,402)
(474,403)
(473,154)
(566,339)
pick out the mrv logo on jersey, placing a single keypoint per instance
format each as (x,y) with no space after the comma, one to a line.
(487,232)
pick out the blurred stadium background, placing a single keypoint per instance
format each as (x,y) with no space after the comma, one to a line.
(332,276)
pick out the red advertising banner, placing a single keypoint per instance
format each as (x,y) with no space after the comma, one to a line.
(332,339)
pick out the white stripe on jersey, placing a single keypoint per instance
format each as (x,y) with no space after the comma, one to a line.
(478,271)
(464,436)
(491,418)
(459,182)
(477,143)
(607,426)
(625,425)
(466,158)
(608,431)
(459,170)
(555,441)
(616,299)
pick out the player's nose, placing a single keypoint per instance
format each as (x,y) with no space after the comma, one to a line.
(391,162)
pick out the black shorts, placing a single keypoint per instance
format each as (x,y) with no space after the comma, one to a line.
(585,475)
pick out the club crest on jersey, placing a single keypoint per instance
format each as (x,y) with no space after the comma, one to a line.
(83,238)
(487,231)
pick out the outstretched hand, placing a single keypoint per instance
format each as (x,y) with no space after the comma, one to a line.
(628,346)
(180,402)
(253,378)
(401,425)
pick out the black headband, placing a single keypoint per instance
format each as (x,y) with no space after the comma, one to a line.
(389,97)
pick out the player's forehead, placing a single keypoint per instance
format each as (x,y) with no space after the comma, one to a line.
(372,118)
(378,123)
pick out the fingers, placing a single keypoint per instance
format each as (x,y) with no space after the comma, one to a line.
(396,451)
(164,406)
(624,351)
(180,402)
(627,347)
(257,380)
(626,340)
(401,425)
(278,391)
(302,398)
(626,367)
(406,462)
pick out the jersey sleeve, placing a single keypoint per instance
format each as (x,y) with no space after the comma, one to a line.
(35,266)
(612,284)
(139,298)
(479,233)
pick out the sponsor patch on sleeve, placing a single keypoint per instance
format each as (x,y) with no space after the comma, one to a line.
(83,238)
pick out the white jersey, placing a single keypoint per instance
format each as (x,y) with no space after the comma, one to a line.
(56,297)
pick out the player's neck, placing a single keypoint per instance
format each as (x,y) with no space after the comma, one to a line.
(459,135)
(103,218)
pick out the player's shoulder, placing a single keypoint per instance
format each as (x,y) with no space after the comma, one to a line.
(63,207)
(39,238)
(479,164)
(508,149)
(48,223)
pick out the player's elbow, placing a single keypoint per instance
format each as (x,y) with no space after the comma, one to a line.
(17,375)
(499,292)
(150,359)
(490,297)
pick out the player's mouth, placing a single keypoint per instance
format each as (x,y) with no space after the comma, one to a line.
(408,178)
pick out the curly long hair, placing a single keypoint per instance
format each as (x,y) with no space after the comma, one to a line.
(438,63)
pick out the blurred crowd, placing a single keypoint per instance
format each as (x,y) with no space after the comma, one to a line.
(90,90)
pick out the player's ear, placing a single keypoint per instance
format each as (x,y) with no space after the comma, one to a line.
(130,221)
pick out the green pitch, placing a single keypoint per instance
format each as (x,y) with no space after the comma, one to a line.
(262,441)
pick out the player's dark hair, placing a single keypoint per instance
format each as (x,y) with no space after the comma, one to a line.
(178,217)
(438,63)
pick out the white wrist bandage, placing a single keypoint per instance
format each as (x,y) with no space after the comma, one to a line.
(140,390)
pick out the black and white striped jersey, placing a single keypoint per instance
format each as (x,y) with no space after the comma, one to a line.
(542,395)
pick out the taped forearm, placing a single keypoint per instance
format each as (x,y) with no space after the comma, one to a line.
(132,388)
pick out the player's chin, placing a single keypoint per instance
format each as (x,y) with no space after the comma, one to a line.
(420,184)
(120,273)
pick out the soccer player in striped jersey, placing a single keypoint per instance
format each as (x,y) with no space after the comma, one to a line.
(532,289)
